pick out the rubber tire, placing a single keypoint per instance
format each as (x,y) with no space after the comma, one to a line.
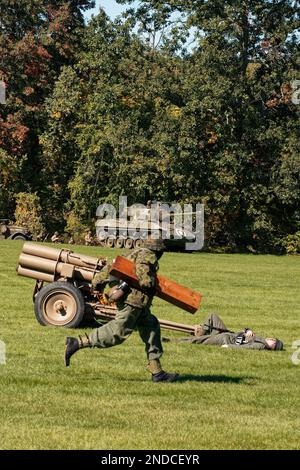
(110,242)
(119,243)
(20,237)
(139,243)
(69,289)
(129,241)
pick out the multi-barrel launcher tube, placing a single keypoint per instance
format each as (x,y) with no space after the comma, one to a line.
(65,303)
(50,264)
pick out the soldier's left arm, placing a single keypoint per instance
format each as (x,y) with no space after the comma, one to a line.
(145,268)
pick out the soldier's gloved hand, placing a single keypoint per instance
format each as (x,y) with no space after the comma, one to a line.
(249,334)
(198,330)
(150,291)
(98,284)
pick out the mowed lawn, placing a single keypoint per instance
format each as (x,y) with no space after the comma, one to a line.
(226,399)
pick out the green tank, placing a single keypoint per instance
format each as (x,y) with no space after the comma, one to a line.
(121,232)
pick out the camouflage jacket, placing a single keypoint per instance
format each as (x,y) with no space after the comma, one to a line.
(146,267)
(101,278)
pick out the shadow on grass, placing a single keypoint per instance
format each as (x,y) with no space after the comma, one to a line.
(215,379)
(247,380)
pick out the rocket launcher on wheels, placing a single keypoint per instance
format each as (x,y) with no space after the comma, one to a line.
(68,296)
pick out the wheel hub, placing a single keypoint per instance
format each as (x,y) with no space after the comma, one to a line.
(60,307)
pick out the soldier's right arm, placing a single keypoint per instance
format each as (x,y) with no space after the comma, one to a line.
(252,345)
(101,278)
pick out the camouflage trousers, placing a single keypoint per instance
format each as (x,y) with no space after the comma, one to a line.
(127,320)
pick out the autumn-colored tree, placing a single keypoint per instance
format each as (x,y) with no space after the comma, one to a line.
(37,38)
(131,107)
(29,214)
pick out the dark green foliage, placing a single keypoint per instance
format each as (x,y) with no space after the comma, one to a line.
(29,214)
(37,38)
(136,111)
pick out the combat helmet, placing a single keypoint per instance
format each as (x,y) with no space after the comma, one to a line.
(154,244)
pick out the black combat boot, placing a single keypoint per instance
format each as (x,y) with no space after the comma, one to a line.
(164,377)
(73,345)
(159,375)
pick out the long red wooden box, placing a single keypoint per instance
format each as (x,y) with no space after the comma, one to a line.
(168,290)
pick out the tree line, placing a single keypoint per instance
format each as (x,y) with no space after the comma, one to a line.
(179,101)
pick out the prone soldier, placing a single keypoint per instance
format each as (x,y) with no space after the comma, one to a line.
(213,331)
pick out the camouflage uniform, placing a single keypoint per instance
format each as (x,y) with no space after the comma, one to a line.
(214,334)
(134,309)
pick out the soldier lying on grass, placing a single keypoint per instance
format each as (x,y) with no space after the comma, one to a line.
(214,332)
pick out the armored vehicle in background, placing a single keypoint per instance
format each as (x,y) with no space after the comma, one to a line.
(13,232)
(131,232)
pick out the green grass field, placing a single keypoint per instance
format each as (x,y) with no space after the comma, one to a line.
(226,399)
